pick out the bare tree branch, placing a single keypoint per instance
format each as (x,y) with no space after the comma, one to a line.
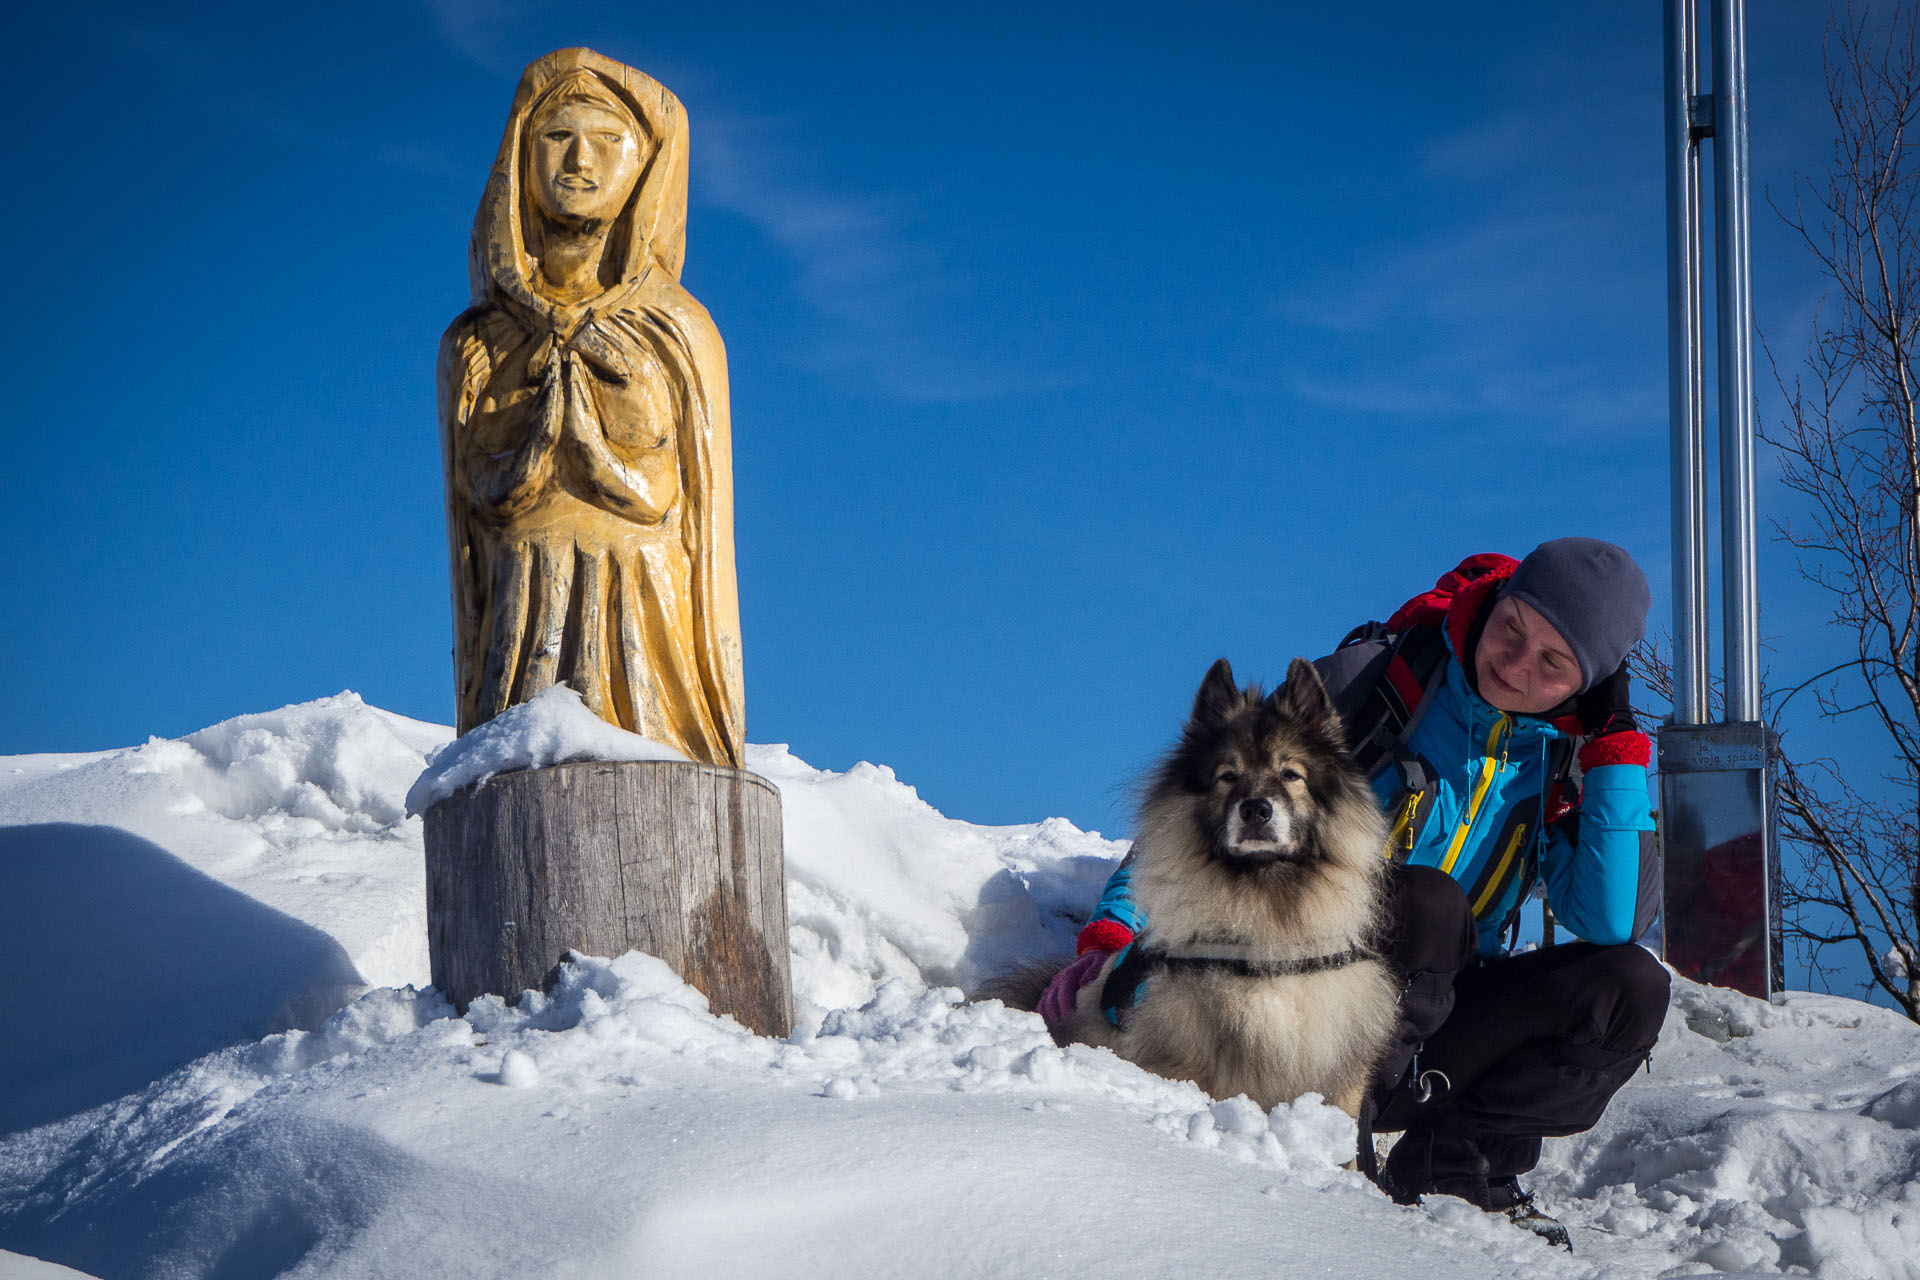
(1848,447)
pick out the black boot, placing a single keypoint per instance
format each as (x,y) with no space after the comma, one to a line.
(1408,1171)
(1437,1159)
(1434,1155)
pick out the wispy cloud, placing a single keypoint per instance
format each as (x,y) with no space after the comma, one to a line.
(889,304)
(1492,149)
(1502,310)
(1512,262)
(480,30)
(190,63)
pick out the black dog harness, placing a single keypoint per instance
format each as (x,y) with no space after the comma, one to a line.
(1122,988)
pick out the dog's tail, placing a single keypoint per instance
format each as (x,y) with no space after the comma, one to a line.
(1020,987)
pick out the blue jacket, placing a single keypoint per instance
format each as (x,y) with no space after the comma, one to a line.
(1488,819)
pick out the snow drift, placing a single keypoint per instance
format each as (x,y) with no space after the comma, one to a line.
(221,1061)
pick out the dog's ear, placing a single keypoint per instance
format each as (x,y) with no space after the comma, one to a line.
(1304,698)
(1219,694)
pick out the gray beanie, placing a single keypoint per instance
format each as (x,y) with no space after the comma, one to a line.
(1592,593)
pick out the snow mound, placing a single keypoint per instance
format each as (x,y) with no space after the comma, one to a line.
(191,1087)
(262,872)
(554,727)
(882,886)
(1767,1137)
(133,963)
(331,764)
(188,893)
(332,1152)
(632,1021)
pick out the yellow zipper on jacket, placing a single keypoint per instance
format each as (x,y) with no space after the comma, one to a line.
(1489,770)
(1401,836)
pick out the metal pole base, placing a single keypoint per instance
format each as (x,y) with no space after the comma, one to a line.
(1720,846)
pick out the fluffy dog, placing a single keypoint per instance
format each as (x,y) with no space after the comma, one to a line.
(1259,870)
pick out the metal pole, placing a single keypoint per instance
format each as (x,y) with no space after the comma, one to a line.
(1685,369)
(1740,596)
(1718,833)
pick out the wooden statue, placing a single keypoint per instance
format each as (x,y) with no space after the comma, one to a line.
(584,424)
(583,411)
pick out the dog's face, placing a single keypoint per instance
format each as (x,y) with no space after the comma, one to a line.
(1259,769)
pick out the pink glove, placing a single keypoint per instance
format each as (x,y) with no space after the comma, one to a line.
(1056,1003)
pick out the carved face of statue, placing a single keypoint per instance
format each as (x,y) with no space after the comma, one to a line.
(585,159)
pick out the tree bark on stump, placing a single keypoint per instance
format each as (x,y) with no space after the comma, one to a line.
(682,861)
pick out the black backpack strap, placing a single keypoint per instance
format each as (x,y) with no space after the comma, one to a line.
(1382,683)
(1560,758)
(1401,691)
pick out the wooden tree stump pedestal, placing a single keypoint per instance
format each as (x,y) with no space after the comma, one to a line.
(682,861)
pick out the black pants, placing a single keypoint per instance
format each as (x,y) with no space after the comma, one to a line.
(1525,1046)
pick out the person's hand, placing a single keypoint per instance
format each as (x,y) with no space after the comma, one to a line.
(1057,1001)
(1606,721)
(1608,706)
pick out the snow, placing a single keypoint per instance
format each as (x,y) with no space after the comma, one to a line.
(221,1059)
(553,727)
(15,1266)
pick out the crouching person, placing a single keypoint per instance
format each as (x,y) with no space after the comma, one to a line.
(1492,717)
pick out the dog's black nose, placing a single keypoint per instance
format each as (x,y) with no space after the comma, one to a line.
(1256,810)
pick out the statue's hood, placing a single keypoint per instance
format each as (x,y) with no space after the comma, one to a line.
(650,235)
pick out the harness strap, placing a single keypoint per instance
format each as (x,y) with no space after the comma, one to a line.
(1122,987)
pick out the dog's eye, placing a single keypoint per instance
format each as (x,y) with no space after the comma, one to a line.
(1291,774)
(1227,775)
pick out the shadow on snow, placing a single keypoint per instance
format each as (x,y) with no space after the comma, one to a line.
(126,963)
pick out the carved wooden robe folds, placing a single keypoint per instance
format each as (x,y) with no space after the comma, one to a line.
(584,422)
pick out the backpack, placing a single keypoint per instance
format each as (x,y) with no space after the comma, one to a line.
(1410,670)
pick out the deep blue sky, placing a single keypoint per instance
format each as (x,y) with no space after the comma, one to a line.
(1071,346)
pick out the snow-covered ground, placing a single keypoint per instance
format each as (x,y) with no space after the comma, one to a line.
(221,1061)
